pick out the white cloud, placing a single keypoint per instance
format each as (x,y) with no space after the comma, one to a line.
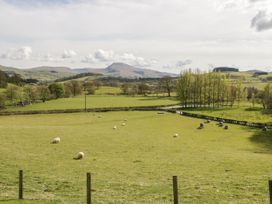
(181,63)
(89,59)
(262,21)
(68,54)
(48,58)
(109,56)
(22,53)
(135,60)
(104,56)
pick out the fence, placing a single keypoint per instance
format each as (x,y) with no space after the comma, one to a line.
(135,108)
(89,188)
(226,120)
(176,199)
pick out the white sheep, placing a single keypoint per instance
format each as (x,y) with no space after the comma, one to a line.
(56,140)
(115,127)
(176,135)
(79,156)
(123,124)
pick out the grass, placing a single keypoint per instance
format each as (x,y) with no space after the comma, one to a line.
(26,202)
(2,90)
(244,112)
(135,163)
(108,90)
(97,101)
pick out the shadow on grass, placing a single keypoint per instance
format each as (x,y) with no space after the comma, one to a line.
(207,109)
(146,98)
(263,140)
(254,109)
(16,201)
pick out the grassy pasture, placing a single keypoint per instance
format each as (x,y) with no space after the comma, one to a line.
(97,101)
(244,112)
(135,163)
(108,90)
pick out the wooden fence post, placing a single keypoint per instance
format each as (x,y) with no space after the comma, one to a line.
(270,191)
(175,189)
(89,198)
(21,186)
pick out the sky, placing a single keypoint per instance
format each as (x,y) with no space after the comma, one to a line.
(170,35)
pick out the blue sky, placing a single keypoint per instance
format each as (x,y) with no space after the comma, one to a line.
(164,35)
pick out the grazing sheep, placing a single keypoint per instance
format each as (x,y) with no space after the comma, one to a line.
(161,113)
(226,127)
(123,124)
(220,124)
(79,156)
(115,127)
(207,121)
(56,140)
(201,126)
(265,129)
(176,135)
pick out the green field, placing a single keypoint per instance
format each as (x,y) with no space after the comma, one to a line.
(244,112)
(134,163)
(108,90)
(97,101)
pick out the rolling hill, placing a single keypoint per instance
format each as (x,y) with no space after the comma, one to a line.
(45,73)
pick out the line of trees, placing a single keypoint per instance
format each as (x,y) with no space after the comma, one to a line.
(159,86)
(212,89)
(28,94)
(198,89)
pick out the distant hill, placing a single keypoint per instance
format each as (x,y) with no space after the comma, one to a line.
(127,71)
(40,73)
(225,69)
(255,71)
(114,70)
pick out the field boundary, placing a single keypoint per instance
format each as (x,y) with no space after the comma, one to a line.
(219,119)
(165,108)
(133,108)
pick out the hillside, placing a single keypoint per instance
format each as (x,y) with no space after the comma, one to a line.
(40,73)
(114,70)
(127,71)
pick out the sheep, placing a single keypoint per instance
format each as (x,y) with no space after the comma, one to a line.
(220,124)
(175,135)
(115,127)
(123,124)
(207,121)
(79,156)
(226,127)
(201,126)
(265,128)
(56,140)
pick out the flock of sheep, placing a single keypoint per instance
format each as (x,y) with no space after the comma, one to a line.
(80,155)
(219,124)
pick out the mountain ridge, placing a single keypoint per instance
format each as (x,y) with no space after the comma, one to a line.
(117,69)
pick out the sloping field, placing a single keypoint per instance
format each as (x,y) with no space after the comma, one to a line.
(135,162)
